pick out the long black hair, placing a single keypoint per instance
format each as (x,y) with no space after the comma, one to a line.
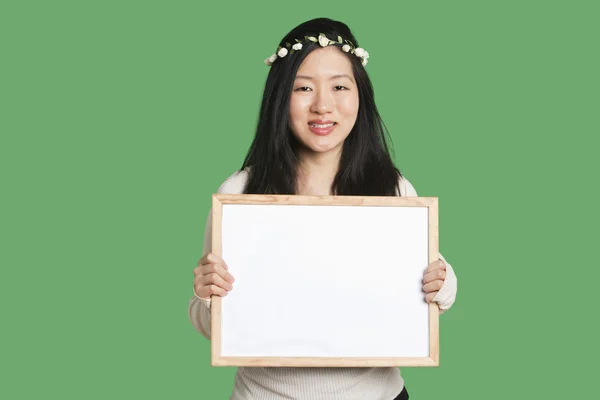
(365,168)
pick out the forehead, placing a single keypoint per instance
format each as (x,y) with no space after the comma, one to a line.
(324,62)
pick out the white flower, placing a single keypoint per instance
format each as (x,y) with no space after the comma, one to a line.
(359,52)
(323,41)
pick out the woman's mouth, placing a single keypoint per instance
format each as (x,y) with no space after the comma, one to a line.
(321,129)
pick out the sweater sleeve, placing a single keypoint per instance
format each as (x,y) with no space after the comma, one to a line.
(446,296)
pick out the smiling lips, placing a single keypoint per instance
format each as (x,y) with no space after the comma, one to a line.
(320,127)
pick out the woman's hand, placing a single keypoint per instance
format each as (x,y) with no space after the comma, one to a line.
(212,277)
(433,279)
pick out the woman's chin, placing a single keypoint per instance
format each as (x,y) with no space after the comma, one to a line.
(321,144)
(323,148)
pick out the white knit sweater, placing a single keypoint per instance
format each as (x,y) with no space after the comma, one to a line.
(277,383)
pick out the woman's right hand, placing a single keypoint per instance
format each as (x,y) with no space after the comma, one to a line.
(212,277)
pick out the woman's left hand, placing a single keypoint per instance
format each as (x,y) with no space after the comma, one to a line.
(433,279)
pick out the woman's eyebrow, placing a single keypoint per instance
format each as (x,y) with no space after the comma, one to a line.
(330,78)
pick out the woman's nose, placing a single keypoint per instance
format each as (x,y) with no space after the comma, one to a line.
(322,104)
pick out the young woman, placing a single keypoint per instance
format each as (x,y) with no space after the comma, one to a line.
(319,133)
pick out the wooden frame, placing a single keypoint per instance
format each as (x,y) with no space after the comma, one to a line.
(219,200)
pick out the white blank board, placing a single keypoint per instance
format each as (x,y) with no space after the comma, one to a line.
(338,283)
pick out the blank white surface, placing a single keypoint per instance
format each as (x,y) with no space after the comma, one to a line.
(325,281)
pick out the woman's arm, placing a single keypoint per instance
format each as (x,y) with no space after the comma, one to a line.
(447,293)
(199,309)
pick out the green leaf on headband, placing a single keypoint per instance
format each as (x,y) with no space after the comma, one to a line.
(312,38)
(287,45)
(331,42)
(339,39)
(292,51)
(298,41)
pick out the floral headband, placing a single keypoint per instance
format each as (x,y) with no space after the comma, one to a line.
(323,41)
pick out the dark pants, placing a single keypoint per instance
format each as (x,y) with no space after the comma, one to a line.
(403,395)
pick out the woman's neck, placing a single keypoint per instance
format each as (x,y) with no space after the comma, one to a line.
(316,172)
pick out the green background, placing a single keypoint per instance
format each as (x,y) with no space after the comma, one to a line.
(119,119)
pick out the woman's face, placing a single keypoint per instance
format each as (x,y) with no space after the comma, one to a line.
(324,101)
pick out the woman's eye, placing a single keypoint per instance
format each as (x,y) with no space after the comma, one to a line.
(306,88)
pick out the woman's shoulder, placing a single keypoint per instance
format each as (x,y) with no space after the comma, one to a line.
(406,188)
(236,182)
